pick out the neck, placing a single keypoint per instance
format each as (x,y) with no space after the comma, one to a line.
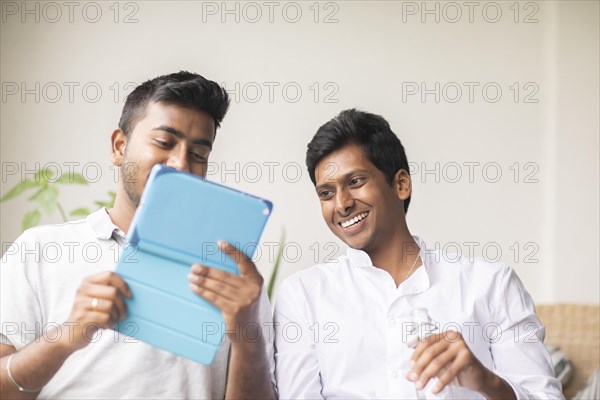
(398,257)
(122,212)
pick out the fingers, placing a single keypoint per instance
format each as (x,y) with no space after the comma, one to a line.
(427,360)
(235,295)
(108,300)
(222,284)
(423,370)
(99,319)
(461,361)
(200,273)
(100,300)
(240,309)
(225,304)
(424,347)
(439,355)
(101,306)
(111,279)
(245,265)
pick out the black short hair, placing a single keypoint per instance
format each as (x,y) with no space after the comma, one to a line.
(182,88)
(370,131)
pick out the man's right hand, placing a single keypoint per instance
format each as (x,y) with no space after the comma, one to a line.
(99,304)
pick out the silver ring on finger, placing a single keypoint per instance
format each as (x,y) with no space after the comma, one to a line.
(94,303)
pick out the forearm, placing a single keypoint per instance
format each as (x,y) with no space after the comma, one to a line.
(33,366)
(248,375)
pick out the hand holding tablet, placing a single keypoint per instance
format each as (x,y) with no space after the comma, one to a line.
(179,222)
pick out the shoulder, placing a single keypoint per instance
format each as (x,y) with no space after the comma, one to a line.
(310,288)
(49,232)
(488,284)
(465,264)
(486,276)
(48,239)
(301,294)
(317,276)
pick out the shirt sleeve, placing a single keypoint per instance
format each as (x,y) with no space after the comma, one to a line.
(296,363)
(518,350)
(21,318)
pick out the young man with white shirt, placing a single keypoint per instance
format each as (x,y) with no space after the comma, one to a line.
(57,307)
(343,329)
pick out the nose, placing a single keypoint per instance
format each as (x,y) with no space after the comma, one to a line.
(178,159)
(343,202)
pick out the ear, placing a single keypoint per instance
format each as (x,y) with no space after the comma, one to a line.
(118,144)
(403,184)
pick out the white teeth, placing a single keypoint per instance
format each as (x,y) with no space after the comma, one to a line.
(354,220)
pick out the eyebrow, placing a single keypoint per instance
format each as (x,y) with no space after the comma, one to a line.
(341,178)
(181,135)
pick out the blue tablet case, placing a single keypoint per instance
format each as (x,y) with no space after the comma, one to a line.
(180,219)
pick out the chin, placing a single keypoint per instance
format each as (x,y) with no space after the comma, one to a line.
(353,242)
(358,246)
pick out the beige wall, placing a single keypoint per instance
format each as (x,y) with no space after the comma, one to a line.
(371,55)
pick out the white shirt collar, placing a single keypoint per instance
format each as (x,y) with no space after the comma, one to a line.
(419,280)
(103,226)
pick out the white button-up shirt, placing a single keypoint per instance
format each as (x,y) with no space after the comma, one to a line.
(342,328)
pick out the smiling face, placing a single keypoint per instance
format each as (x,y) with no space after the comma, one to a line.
(358,204)
(167,134)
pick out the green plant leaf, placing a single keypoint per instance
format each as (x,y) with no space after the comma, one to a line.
(72,178)
(46,198)
(278,258)
(80,212)
(43,175)
(18,189)
(31,219)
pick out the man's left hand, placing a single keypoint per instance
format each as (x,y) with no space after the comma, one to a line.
(447,356)
(237,296)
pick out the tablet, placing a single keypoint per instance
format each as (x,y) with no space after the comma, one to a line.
(179,221)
